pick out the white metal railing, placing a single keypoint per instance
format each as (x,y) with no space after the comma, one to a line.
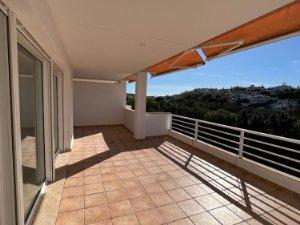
(265,148)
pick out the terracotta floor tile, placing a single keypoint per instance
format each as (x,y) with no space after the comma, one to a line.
(93,189)
(70,204)
(179,194)
(105,222)
(122,169)
(195,191)
(168,168)
(204,218)
(109,159)
(116,195)
(175,174)
(171,212)
(136,166)
(130,183)
(150,217)
(184,181)
(161,199)
(185,221)
(134,192)
(106,163)
(71,218)
(125,220)
(125,175)
(225,216)
(72,192)
(95,200)
(161,177)
(92,179)
(168,185)
(96,214)
(107,170)
(147,179)
(73,182)
(191,207)
(155,170)
(120,208)
(208,202)
(113,185)
(91,172)
(149,164)
(110,177)
(140,172)
(289,211)
(221,198)
(142,203)
(153,188)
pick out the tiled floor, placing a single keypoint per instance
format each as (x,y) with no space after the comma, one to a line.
(114,179)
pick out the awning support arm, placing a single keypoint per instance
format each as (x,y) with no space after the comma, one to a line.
(180,57)
(235,45)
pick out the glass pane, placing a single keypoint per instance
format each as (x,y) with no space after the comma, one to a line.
(32,131)
(55,112)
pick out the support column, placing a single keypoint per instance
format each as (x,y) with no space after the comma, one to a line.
(140,105)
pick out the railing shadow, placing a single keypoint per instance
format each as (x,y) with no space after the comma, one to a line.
(251,203)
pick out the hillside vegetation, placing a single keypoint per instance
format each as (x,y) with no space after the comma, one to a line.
(273,110)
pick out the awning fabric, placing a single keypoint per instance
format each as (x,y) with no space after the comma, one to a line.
(284,21)
(130,78)
(281,22)
(181,61)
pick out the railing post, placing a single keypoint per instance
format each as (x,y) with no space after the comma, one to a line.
(171,120)
(196,130)
(241,147)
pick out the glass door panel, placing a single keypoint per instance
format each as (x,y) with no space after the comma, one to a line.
(55,113)
(32,127)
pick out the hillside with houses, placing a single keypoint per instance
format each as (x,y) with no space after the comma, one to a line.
(273,110)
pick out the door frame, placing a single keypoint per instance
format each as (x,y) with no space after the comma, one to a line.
(7,175)
(57,72)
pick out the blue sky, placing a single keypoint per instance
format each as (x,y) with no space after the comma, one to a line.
(268,65)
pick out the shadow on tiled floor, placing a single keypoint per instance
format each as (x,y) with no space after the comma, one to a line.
(113,179)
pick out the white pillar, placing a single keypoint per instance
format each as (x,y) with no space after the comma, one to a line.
(140,105)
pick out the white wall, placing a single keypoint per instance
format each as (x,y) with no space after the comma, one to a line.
(157,123)
(68,108)
(98,104)
(128,119)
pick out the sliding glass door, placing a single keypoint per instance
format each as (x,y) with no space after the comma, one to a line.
(32,125)
(7,178)
(55,91)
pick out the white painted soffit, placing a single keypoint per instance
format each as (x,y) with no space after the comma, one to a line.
(112,39)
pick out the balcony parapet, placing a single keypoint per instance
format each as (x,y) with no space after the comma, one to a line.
(272,157)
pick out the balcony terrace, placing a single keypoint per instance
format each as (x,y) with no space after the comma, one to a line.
(111,178)
(66,65)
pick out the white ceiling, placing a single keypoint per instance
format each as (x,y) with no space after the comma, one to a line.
(109,39)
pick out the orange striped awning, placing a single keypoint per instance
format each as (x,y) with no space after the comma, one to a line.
(278,23)
(181,61)
(184,60)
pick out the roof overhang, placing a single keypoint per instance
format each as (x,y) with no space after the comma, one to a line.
(111,39)
(281,23)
